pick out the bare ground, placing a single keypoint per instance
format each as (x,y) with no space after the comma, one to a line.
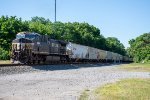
(58,82)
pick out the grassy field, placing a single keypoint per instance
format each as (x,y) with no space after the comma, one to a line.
(5,62)
(84,95)
(136,67)
(128,89)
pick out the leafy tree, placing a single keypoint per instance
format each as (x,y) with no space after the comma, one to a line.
(140,48)
(9,27)
(40,19)
(81,33)
(4,54)
(113,44)
(40,25)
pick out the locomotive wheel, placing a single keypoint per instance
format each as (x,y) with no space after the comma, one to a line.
(38,61)
(24,59)
(33,61)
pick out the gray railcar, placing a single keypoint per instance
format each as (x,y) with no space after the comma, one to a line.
(77,52)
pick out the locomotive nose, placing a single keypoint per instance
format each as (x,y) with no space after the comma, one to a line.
(22,43)
(21,49)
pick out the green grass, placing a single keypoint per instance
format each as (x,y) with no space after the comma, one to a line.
(136,67)
(128,89)
(5,62)
(84,95)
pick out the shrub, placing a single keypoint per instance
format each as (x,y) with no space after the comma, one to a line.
(4,55)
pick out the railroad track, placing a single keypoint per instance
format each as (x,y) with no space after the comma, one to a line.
(8,65)
(5,65)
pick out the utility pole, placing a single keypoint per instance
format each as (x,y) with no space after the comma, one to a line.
(54,28)
(55,10)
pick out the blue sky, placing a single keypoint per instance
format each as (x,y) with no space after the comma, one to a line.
(124,19)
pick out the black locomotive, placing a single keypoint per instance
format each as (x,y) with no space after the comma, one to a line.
(35,48)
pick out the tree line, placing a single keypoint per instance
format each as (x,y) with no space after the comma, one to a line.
(81,33)
(139,48)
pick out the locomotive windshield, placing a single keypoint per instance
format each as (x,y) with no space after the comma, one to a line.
(30,36)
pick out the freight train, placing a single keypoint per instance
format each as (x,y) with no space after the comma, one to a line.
(31,48)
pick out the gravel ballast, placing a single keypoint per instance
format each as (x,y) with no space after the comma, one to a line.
(58,82)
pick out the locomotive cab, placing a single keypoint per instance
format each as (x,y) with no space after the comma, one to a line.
(22,47)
